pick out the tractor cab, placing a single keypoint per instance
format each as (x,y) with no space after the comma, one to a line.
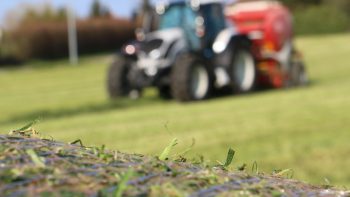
(200,21)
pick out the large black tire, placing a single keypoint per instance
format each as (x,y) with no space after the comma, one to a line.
(299,75)
(117,80)
(242,70)
(191,79)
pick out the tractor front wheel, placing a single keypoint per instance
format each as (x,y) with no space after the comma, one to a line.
(191,79)
(117,80)
(299,74)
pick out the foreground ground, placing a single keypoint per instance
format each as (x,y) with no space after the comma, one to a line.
(34,167)
(304,129)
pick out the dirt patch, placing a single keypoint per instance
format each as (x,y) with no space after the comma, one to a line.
(36,167)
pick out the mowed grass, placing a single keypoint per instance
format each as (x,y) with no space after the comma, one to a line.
(305,129)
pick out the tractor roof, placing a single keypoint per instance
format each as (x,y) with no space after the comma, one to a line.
(201,2)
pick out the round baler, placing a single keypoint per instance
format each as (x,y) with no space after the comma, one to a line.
(269,25)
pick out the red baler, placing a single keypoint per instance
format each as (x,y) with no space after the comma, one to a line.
(269,25)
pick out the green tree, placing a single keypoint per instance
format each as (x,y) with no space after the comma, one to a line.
(98,10)
(301,3)
(341,5)
(44,12)
(146,5)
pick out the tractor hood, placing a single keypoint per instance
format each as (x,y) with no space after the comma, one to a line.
(157,44)
(159,49)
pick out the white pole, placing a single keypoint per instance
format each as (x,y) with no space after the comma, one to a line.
(1,34)
(72,37)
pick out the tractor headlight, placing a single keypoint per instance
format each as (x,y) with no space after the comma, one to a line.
(130,49)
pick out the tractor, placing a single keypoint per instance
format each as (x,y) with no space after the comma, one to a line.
(195,52)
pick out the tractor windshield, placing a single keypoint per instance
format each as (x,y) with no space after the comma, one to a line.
(182,16)
(177,15)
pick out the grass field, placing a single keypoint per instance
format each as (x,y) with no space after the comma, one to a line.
(306,129)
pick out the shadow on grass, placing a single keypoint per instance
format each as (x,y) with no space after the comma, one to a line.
(119,105)
(81,110)
(227,93)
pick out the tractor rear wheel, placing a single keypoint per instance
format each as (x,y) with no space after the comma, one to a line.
(242,71)
(299,75)
(191,79)
(117,81)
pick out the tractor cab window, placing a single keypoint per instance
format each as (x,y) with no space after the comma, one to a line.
(180,15)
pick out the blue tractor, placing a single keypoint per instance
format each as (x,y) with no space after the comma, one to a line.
(194,52)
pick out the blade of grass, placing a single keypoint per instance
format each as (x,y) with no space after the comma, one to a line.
(229,158)
(188,149)
(35,158)
(255,168)
(283,172)
(167,150)
(78,141)
(123,183)
(29,125)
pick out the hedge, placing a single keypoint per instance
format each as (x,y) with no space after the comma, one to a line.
(321,20)
(48,40)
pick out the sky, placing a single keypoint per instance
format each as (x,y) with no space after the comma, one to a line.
(121,8)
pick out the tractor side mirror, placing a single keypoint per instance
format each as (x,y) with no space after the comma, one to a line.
(200,27)
(140,34)
(160,8)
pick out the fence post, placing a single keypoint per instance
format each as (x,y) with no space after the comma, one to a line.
(1,34)
(72,37)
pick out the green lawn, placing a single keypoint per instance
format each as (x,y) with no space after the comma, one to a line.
(306,129)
